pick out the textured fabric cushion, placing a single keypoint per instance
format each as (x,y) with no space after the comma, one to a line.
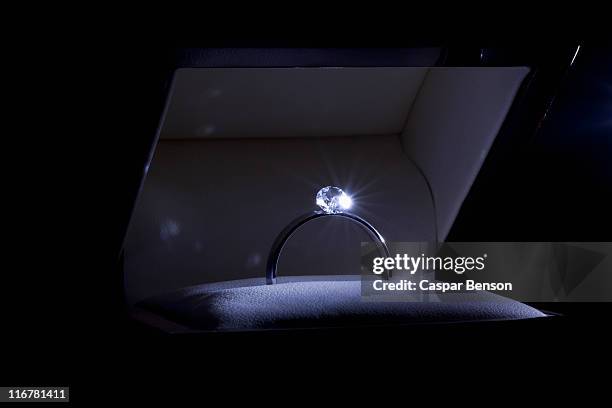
(323,301)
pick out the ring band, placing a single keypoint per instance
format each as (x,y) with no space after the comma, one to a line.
(288,231)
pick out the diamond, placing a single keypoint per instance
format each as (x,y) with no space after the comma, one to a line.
(333,200)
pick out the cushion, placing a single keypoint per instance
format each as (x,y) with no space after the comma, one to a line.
(314,302)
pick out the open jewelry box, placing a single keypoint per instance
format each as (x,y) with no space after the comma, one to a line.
(242,151)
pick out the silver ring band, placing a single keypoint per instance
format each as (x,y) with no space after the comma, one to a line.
(286,233)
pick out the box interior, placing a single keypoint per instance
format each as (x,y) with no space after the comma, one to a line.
(243,151)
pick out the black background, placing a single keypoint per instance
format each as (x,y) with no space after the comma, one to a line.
(62,313)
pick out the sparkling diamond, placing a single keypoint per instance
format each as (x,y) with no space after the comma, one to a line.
(333,200)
